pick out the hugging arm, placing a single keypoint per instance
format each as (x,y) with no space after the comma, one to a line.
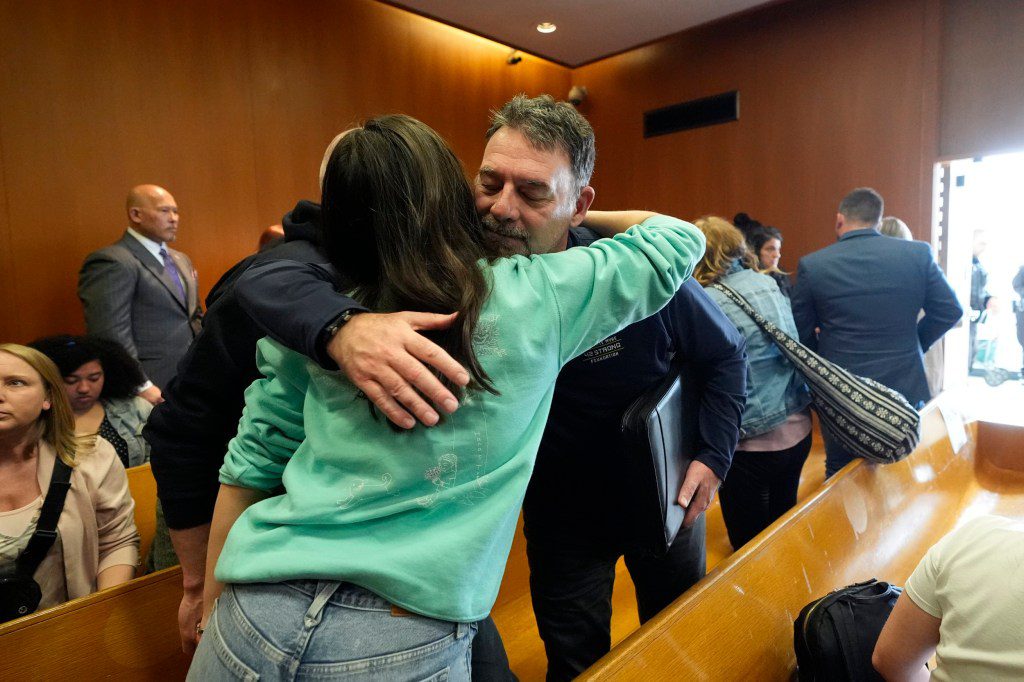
(615,282)
(384,355)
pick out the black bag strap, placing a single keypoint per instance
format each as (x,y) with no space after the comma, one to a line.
(46,527)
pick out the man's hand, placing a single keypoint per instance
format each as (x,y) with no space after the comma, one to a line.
(153,395)
(698,491)
(384,356)
(189,614)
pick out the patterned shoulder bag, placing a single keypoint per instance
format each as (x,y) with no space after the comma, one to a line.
(869,419)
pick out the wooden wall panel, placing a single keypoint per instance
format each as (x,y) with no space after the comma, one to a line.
(982,78)
(8,283)
(383,60)
(228,105)
(100,96)
(833,95)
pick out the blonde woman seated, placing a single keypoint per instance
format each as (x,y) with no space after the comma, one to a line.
(97,544)
(776,429)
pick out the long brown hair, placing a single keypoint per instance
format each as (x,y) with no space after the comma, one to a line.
(725,244)
(400,223)
(57,424)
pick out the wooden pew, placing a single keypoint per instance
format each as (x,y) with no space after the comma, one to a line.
(737,623)
(143,489)
(868,521)
(129,632)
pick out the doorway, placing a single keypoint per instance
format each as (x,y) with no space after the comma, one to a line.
(980,237)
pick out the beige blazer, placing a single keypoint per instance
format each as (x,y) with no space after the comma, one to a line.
(97,526)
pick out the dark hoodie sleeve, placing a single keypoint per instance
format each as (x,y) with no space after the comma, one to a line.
(705,337)
(294,302)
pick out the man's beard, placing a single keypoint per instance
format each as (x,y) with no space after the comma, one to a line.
(505,240)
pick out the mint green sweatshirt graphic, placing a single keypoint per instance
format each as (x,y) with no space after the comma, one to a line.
(425,518)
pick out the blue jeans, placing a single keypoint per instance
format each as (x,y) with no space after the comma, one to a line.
(325,630)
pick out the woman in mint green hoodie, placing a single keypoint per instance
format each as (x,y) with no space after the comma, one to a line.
(359,551)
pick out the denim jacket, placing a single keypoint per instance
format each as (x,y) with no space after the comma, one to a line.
(774,389)
(128,417)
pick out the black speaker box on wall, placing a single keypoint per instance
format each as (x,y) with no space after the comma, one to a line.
(697,113)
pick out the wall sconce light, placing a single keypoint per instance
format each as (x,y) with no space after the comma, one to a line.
(578,95)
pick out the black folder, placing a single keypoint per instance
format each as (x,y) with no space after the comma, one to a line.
(660,433)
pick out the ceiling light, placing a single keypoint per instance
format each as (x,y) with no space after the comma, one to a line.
(546,27)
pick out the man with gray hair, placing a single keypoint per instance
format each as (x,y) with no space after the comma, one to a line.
(533,194)
(857,303)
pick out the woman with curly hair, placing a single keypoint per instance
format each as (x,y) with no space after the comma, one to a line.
(100,380)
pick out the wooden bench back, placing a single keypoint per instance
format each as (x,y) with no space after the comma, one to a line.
(737,623)
(143,489)
(867,522)
(129,632)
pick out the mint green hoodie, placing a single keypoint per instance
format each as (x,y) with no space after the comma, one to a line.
(425,518)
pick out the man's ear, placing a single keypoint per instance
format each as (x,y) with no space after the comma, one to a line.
(583,203)
(135,215)
(840,222)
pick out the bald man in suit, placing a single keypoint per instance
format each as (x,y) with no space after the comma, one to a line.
(142,293)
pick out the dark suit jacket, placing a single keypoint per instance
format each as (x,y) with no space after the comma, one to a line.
(128,297)
(865,293)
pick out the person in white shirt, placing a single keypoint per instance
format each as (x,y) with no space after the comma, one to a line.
(964,603)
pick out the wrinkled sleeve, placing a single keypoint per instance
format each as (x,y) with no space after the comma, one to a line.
(942,310)
(269,291)
(271,428)
(616,282)
(115,510)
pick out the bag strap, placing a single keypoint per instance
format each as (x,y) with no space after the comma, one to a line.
(46,527)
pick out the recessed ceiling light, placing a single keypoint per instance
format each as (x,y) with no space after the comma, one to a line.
(546,27)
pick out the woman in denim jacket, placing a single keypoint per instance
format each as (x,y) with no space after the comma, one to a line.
(776,430)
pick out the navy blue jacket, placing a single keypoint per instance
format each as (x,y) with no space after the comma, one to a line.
(189,433)
(865,293)
(575,495)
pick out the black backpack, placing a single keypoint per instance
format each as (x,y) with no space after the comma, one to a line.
(835,635)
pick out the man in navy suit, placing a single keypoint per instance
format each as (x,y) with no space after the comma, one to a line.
(857,303)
